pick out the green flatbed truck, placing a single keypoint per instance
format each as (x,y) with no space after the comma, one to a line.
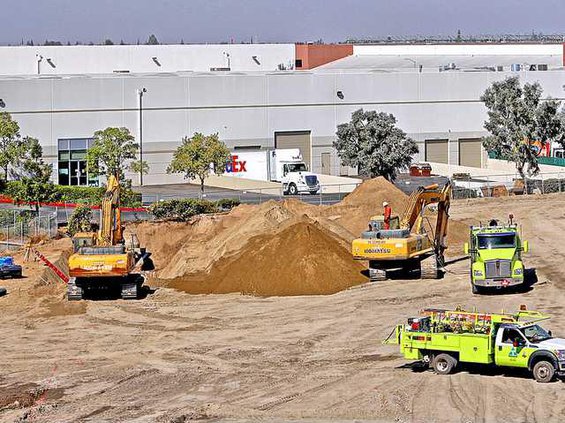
(444,338)
(496,256)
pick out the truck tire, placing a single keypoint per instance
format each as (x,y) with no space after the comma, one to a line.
(444,364)
(292,190)
(477,290)
(544,371)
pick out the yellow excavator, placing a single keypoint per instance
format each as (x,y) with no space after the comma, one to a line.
(413,242)
(103,259)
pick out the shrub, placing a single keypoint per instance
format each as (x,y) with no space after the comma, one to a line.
(80,220)
(227,203)
(75,194)
(183,210)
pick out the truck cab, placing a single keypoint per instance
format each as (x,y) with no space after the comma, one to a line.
(495,253)
(296,179)
(532,347)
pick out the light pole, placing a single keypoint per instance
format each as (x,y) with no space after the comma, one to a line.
(140,92)
(228,58)
(39,59)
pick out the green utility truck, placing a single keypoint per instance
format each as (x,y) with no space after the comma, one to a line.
(496,256)
(443,338)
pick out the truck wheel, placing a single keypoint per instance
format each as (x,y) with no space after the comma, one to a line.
(444,364)
(477,290)
(292,190)
(544,371)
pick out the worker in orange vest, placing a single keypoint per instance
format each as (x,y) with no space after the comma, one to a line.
(387,213)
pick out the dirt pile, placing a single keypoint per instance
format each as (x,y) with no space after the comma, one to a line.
(366,200)
(181,248)
(302,259)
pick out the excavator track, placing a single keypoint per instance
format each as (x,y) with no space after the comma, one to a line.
(74,292)
(376,274)
(429,268)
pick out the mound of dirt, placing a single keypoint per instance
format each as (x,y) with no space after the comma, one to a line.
(302,259)
(181,248)
(355,210)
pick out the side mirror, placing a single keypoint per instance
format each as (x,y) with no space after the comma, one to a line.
(525,246)
(549,333)
(466,248)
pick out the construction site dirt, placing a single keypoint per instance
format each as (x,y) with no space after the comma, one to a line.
(265,344)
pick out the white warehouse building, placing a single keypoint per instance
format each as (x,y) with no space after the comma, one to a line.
(249,96)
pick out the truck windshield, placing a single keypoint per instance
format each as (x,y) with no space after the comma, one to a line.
(297,167)
(535,333)
(492,241)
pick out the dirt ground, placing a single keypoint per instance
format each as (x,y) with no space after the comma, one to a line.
(175,357)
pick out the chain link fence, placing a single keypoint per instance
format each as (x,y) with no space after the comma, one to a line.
(328,194)
(467,186)
(18,226)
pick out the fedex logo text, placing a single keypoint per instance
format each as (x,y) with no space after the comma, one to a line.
(235,165)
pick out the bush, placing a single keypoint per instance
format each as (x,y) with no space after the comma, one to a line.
(183,210)
(80,220)
(75,194)
(227,203)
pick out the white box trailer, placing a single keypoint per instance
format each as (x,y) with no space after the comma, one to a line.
(280,165)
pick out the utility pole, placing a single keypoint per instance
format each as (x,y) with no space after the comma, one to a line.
(39,58)
(140,92)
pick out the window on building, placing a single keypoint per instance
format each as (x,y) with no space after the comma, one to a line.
(72,162)
(298,63)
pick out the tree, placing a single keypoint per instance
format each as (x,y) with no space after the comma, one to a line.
(152,40)
(80,220)
(200,155)
(373,143)
(9,136)
(518,117)
(113,148)
(34,179)
(26,155)
(108,42)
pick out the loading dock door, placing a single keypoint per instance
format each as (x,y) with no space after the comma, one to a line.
(436,151)
(470,152)
(296,139)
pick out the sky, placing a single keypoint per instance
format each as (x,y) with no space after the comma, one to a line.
(213,21)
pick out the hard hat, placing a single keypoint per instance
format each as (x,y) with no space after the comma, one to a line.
(385,204)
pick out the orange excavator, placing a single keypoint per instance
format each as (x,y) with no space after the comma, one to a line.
(414,242)
(104,259)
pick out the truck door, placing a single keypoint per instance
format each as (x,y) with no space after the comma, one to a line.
(511,348)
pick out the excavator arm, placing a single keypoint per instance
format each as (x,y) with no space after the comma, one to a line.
(110,232)
(412,218)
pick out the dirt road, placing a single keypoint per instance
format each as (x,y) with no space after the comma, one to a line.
(173,357)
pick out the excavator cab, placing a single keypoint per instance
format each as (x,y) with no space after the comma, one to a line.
(83,239)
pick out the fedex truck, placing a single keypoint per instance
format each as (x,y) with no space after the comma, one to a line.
(281,165)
